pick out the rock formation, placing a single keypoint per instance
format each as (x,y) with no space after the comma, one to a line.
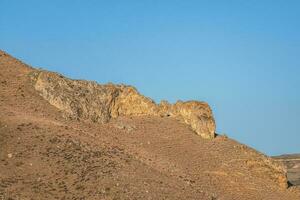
(85,100)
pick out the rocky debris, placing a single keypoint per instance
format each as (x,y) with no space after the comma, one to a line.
(124,126)
(86,100)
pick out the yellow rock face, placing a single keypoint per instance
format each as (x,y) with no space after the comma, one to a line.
(86,100)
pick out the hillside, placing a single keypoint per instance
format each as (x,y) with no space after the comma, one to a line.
(74,139)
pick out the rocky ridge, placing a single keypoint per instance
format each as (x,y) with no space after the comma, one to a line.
(86,100)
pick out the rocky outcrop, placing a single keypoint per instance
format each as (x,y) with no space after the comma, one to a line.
(197,114)
(292,164)
(86,100)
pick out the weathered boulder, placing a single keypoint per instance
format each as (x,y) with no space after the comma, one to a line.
(86,100)
(197,114)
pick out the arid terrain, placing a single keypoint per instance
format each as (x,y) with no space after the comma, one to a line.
(67,139)
(292,163)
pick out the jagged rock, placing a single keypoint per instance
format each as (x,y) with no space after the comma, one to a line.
(78,99)
(86,100)
(130,103)
(197,114)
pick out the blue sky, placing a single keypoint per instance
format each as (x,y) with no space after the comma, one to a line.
(242,57)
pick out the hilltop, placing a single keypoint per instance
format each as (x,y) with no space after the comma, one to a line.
(75,139)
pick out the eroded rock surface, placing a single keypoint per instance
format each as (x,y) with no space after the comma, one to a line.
(86,100)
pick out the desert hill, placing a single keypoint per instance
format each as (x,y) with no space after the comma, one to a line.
(74,139)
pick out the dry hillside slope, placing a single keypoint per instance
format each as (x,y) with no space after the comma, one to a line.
(70,139)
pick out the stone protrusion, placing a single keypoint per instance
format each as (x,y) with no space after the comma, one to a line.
(86,100)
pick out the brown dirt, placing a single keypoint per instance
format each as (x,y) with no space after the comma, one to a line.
(45,156)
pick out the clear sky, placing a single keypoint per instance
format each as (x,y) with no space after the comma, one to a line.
(242,57)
